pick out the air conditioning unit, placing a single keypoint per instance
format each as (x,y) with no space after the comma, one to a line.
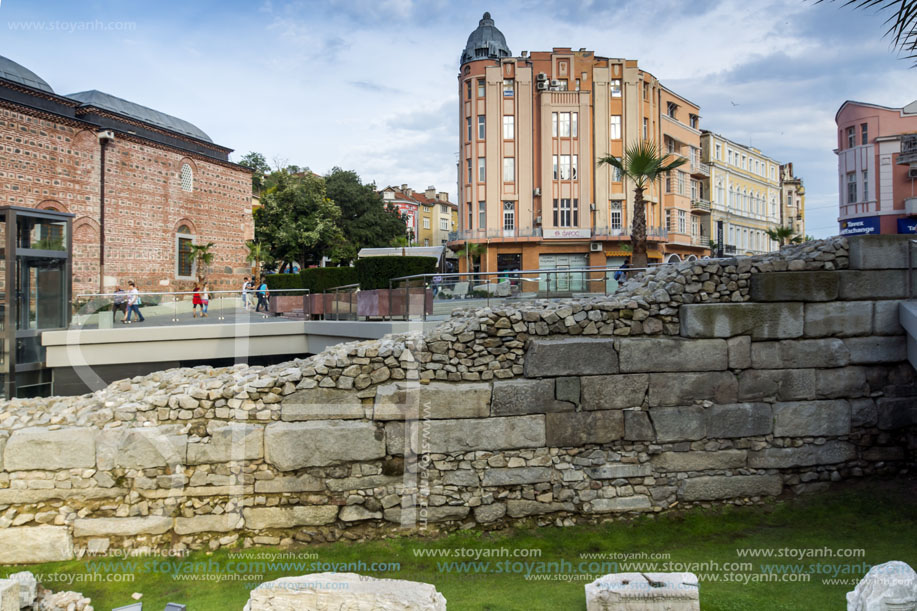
(912,172)
(538,220)
(541,86)
(541,77)
(536,192)
(595,247)
(555,83)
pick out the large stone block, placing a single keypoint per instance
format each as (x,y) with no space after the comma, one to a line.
(4,435)
(232,442)
(700,461)
(520,397)
(811,418)
(613,392)
(570,356)
(739,420)
(145,448)
(716,487)
(222,523)
(9,595)
(294,445)
(363,482)
(863,412)
(739,351)
(570,430)
(521,508)
(517,476)
(619,471)
(651,354)
(896,413)
(885,587)
(878,252)
(259,518)
(685,388)
(886,318)
(28,588)
(321,404)
(34,544)
(121,527)
(644,592)
(759,320)
(679,423)
(794,286)
(829,453)
(491,434)
(796,354)
(38,448)
(780,384)
(841,382)
(622,504)
(872,284)
(637,426)
(872,350)
(335,591)
(411,516)
(413,401)
(838,319)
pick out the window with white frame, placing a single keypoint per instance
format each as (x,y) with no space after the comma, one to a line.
(719,150)
(865,185)
(468,128)
(509,127)
(480,88)
(575,162)
(573,121)
(615,88)
(184,262)
(482,128)
(864,131)
(509,169)
(851,137)
(509,217)
(851,187)
(681,182)
(554,124)
(682,221)
(615,128)
(426,222)
(563,125)
(443,224)
(646,128)
(481,169)
(565,167)
(482,215)
(555,167)
(187,178)
(616,174)
(614,218)
(470,175)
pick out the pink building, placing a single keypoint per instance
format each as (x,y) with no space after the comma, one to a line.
(877,168)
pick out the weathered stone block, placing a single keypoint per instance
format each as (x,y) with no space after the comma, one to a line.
(643,592)
(28,588)
(363,482)
(484,514)
(679,423)
(622,504)
(121,527)
(478,434)
(569,357)
(294,445)
(759,320)
(712,488)
(863,412)
(232,442)
(811,418)
(739,352)
(739,420)
(637,426)
(462,477)
(259,518)
(838,319)
(619,471)
(518,476)
(395,440)
(38,448)
(357,513)
(145,448)
(521,508)
(896,413)
(651,354)
(872,284)
(869,350)
(520,397)
(301,483)
(782,384)
(569,429)
(885,586)
(700,461)
(223,523)
(684,388)
(828,453)
(410,400)
(841,382)
(886,319)
(410,516)
(34,544)
(9,595)
(565,389)
(796,354)
(327,591)
(794,286)
(321,404)
(614,392)
(878,252)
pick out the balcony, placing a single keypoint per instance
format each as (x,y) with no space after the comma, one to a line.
(700,206)
(700,169)
(729,249)
(653,233)
(908,153)
(492,234)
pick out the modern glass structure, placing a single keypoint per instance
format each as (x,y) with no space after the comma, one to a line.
(34,294)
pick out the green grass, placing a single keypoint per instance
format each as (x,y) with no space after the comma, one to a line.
(879,517)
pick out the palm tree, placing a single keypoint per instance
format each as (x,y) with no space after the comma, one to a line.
(201,255)
(256,256)
(902,23)
(643,164)
(470,251)
(782,235)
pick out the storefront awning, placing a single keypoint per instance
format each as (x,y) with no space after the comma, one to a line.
(652,254)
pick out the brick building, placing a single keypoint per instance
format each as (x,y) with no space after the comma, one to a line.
(142,185)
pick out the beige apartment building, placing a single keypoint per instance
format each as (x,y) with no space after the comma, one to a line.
(532,128)
(792,201)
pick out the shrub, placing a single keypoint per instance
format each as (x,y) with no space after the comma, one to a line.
(375,272)
(320,279)
(278,282)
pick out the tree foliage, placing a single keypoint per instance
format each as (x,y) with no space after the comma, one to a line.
(259,167)
(203,258)
(783,235)
(902,22)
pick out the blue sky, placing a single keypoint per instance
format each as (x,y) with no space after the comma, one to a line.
(370,85)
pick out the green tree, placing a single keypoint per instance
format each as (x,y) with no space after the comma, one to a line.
(643,165)
(365,219)
(783,235)
(203,258)
(257,256)
(259,167)
(902,23)
(471,251)
(297,221)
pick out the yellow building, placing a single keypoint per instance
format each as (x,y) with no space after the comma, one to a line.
(745,191)
(793,201)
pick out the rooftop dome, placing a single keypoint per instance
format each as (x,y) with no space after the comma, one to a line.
(131,110)
(12,71)
(486,42)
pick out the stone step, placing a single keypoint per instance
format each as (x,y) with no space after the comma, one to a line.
(881,252)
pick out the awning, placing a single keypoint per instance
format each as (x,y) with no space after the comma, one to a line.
(652,254)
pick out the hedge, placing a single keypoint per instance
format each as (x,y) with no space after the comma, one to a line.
(375,272)
(277,282)
(320,279)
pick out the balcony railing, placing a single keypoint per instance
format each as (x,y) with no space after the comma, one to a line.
(700,205)
(617,232)
(700,168)
(536,232)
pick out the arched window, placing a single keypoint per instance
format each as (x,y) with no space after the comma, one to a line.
(187,178)
(184,263)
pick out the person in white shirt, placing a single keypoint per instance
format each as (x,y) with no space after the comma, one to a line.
(133,303)
(245,289)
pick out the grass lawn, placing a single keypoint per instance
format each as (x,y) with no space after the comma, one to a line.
(879,517)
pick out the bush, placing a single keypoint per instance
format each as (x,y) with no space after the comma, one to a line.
(278,282)
(375,272)
(320,279)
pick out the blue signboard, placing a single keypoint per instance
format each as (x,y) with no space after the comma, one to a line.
(860,226)
(907,225)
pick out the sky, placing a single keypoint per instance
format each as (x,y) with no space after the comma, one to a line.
(370,85)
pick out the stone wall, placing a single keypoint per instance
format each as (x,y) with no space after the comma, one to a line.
(729,381)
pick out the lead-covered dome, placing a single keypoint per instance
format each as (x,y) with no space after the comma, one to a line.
(17,73)
(486,42)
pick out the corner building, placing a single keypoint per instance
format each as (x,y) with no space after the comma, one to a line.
(531,131)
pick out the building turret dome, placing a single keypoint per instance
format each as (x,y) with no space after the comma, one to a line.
(11,71)
(486,42)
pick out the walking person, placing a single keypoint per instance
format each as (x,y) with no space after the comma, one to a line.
(119,305)
(196,301)
(205,300)
(133,303)
(246,287)
(262,294)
